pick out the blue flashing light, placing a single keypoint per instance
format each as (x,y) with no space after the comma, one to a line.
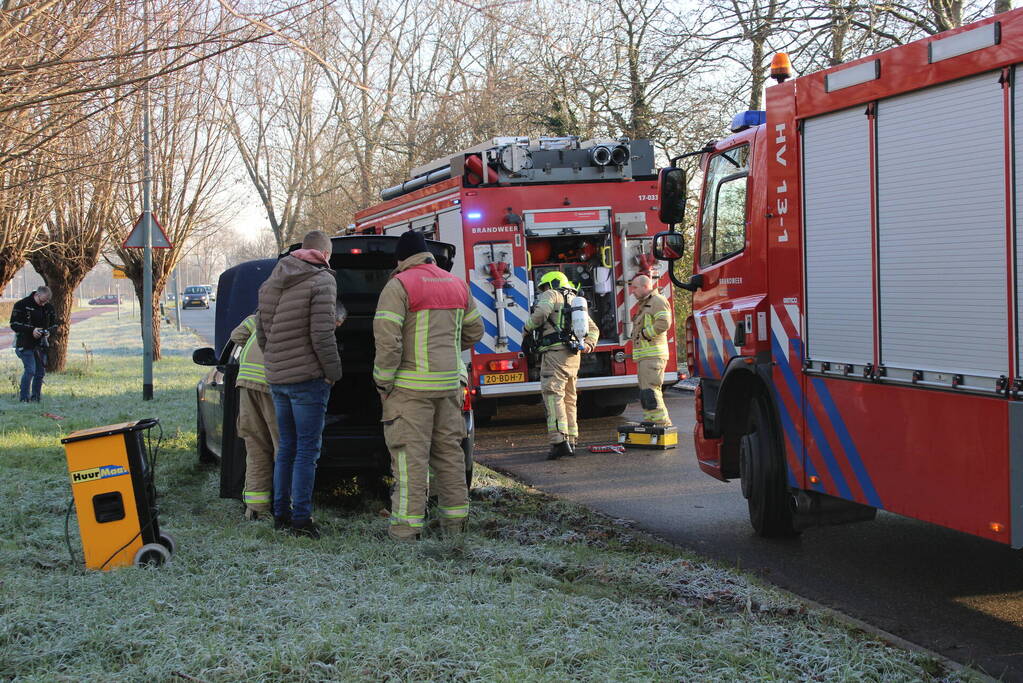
(474,215)
(748,119)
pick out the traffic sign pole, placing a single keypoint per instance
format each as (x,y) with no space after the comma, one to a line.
(147,218)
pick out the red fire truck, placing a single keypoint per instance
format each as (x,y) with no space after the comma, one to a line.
(856,290)
(516,208)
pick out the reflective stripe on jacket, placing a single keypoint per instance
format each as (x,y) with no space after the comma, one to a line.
(251,371)
(650,328)
(425,318)
(547,316)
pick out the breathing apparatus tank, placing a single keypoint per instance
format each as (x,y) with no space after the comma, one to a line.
(580,318)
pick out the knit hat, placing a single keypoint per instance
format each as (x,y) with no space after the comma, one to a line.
(409,244)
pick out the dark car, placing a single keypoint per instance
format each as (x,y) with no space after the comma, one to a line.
(353,437)
(195,296)
(105,300)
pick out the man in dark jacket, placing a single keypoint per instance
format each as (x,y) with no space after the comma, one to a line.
(31,320)
(295,329)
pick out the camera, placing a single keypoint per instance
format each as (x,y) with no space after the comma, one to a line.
(44,341)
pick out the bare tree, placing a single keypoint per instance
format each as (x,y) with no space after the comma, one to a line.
(22,208)
(73,233)
(189,172)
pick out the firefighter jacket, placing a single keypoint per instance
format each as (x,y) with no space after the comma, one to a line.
(296,321)
(251,371)
(548,317)
(650,327)
(425,318)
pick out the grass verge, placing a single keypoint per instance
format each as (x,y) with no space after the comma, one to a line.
(537,590)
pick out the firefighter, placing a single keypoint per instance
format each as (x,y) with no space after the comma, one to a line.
(650,347)
(425,318)
(559,367)
(257,421)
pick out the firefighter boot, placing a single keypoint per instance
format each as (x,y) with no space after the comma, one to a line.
(561,449)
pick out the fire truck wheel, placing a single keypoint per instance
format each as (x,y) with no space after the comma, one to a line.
(762,471)
(613,410)
(167,541)
(151,555)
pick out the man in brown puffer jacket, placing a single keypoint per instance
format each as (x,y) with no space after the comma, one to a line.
(295,330)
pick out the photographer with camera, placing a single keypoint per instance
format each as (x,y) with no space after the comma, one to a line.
(32,320)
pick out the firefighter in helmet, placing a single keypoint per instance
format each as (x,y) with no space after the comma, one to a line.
(650,347)
(425,318)
(560,366)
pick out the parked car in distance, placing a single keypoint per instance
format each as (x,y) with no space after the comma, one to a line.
(353,437)
(104,300)
(195,296)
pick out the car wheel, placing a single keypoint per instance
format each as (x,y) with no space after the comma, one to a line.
(762,473)
(151,555)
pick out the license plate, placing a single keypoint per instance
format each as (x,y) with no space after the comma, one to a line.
(504,378)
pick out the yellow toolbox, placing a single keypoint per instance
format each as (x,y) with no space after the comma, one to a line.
(647,435)
(112,483)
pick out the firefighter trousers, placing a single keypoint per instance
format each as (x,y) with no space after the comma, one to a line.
(558,373)
(424,432)
(257,426)
(651,377)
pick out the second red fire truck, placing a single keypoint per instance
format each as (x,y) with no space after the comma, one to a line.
(857,290)
(517,208)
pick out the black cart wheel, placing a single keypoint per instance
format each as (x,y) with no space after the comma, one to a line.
(151,555)
(762,472)
(168,542)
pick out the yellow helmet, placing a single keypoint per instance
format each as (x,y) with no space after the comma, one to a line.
(554,278)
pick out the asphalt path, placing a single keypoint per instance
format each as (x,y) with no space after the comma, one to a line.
(7,335)
(199,319)
(945,591)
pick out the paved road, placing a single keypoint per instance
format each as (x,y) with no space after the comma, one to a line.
(7,335)
(949,592)
(199,319)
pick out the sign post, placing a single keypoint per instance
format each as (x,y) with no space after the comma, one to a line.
(119,275)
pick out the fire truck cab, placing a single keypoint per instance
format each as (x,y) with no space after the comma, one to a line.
(517,208)
(857,290)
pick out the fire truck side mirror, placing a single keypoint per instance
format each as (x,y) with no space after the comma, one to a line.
(672,187)
(669,246)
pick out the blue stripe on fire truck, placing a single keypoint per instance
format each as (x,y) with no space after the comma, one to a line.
(834,471)
(842,432)
(789,427)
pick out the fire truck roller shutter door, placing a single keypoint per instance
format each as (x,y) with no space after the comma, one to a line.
(941,217)
(1018,154)
(839,294)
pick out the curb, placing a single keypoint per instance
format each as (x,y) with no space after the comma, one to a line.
(886,636)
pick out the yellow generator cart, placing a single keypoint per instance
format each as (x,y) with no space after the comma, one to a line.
(112,483)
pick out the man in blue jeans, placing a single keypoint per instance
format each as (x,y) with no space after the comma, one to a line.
(31,320)
(295,329)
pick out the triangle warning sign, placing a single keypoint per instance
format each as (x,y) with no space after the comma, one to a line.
(136,240)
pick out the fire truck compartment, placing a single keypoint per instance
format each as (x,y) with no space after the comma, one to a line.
(586,261)
(939,280)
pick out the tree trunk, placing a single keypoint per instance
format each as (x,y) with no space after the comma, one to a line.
(1002,6)
(757,73)
(10,264)
(63,301)
(158,285)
